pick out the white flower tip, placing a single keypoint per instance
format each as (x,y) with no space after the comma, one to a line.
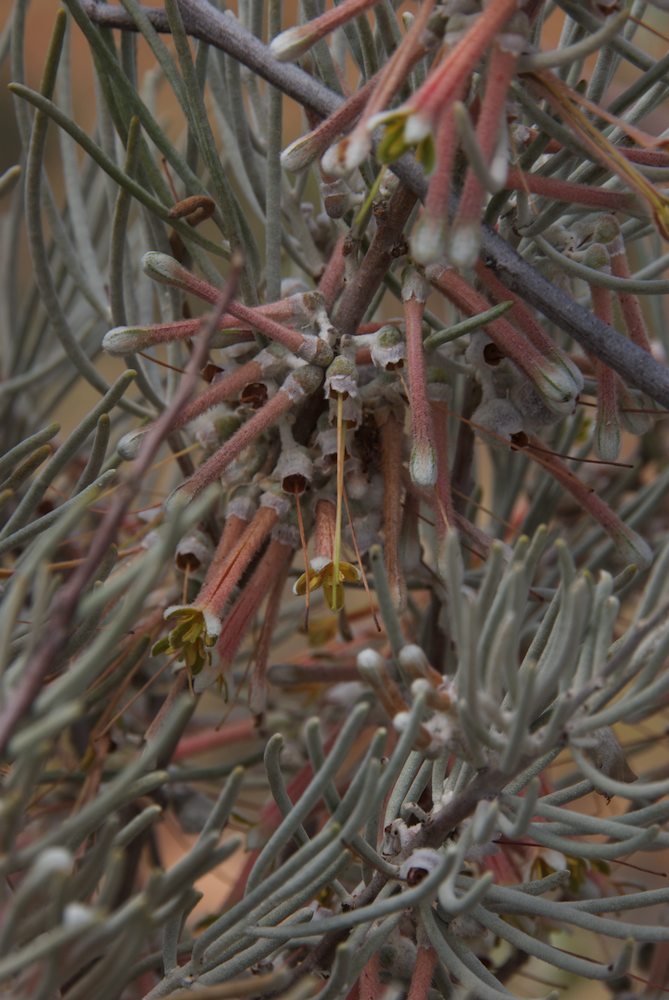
(423,465)
(465,244)
(299,154)
(123,340)
(632,549)
(558,387)
(416,128)
(401,721)
(412,655)
(54,860)
(129,445)
(369,659)
(421,687)
(291,44)
(347,154)
(160,266)
(428,241)
(78,915)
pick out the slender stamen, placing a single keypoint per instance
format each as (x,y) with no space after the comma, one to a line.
(341,454)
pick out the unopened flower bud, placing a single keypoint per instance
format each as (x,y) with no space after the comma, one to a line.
(428,240)
(423,464)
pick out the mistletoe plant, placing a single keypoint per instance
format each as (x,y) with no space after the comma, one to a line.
(351,584)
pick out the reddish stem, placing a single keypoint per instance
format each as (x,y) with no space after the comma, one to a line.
(445,510)
(442,85)
(370,987)
(501,69)
(217,590)
(423,460)
(332,280)
(213,739)
(421,980)
(577,194)
(273,565)
(391,467)
(608,421)
(629,303)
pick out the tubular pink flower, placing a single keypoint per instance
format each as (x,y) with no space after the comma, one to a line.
(607,426)
(311,349)
(225,389)
(392,440)
(352,150)
(414,121)
(274,564)
(197,626)
(557,385)
(166,270)
(632,548)
(467,222)
(126,339)
(299,384)
(423,460)
(294,42)
(629,303)
(528,323)
(576,194)
(303,151)
(229,569)
(428,241)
